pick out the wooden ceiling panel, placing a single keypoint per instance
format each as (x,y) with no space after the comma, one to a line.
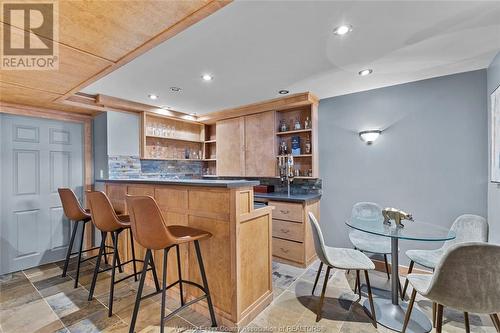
(74,68)
(111,29)
(10,93)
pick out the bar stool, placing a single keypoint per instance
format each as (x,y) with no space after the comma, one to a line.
(152,233)
(106,220)
(75,212)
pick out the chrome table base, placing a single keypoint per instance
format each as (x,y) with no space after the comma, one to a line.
(392,316)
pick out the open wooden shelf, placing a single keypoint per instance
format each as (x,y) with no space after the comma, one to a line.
(172,138)
(294,131)
(210,141)
(298,156)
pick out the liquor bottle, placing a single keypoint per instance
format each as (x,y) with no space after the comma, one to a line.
(307,123)
(297,125)
(307,146)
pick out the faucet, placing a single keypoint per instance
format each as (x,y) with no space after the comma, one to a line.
(285,164)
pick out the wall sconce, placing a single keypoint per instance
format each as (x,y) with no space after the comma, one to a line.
(369,136)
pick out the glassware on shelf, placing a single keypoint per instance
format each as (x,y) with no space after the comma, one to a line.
(172,131)
(283,126)
(163,130)
(186,153)
(200,154)
(297,125)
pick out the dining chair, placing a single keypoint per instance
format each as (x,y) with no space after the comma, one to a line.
(467,278)
(467,228)
(340,258)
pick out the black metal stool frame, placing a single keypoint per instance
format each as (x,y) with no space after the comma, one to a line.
(80,251)
(180,281)
(116,263)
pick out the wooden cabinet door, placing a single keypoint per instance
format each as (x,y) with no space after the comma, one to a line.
(230,135)
(260,150)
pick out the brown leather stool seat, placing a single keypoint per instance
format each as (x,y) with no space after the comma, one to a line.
(75,212)
(107,221)
(151,231)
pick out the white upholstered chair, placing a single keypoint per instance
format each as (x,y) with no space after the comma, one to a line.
(340,258)
(467,278)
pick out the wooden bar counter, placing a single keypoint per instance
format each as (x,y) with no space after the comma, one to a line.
(237,258)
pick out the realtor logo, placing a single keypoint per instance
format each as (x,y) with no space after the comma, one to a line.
(29,37)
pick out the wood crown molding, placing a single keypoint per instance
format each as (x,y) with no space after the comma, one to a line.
(287,102)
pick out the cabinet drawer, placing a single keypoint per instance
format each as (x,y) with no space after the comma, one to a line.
(287,211)
(288,230)
(288,250)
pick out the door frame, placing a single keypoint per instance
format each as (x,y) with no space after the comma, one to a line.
(86,120)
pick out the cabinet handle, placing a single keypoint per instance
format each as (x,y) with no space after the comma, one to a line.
(284,250)
(284,211)
(285,231)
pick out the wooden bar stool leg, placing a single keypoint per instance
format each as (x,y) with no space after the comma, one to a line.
(356,284)
(434,311)
(358,280)
(370,298)
(80,255)
(439,321)
(164,289)
(70,248)
(387,267)
(133,254)
(317,276)
(98,263)
(113,272)
(410,269)
(147,257)
(496,321)
(179,273)
(466,322)
(205,283)
(322,297)
(408,310)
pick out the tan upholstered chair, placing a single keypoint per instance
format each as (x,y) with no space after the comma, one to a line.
(467,279)
(340,258)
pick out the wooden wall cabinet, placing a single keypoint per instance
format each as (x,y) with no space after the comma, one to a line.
(245,146)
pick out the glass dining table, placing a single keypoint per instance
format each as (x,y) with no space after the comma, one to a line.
(391,312)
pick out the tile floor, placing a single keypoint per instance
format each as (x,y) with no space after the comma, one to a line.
(40,300)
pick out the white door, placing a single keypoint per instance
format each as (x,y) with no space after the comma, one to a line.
(37,157)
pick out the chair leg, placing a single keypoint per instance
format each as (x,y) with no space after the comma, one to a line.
(164,289)
(370,298)
(153,270)
(403,296)
(439,319)
(358,284)
(408,311)
(79,256)
(98,263)
(179,273)
(317,276)
(113,272)
(133,254)
(466,322)
(119,264)
(410,269)
(496,321)
(205,283)
(70,248)
(147,257)
(322,297)
(434,310)
(387,267)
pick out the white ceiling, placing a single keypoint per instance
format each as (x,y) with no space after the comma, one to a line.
(255,48)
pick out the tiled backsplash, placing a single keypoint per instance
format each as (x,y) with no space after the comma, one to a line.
(130,167)
(133,167)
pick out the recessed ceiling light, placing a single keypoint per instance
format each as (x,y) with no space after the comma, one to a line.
(283,92)
(342,29)
(165,107)
(153,96)
(365,72)
(207,77)
(175,89)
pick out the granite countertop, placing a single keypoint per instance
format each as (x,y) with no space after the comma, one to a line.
(278,196)
(187,182)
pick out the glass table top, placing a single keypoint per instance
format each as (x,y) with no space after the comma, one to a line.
(413,230)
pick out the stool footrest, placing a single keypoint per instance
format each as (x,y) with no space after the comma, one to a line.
(131,275)
(173,313)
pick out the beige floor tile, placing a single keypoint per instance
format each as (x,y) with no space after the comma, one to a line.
(96,322)
(33,316)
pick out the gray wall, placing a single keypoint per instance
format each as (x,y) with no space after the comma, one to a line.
(493,74)
(431,159)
